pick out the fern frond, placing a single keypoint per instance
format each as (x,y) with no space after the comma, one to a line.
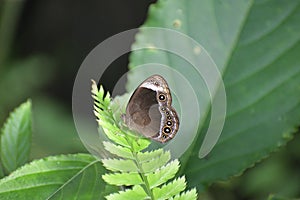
(120,179)
(121,151)
(137,192)
(169,190)
(157,162)
(163,174)
(191,194)
(114,135)
(120,165)
(146,172)
(149,155)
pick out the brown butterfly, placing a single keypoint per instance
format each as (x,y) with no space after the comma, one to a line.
(149,110)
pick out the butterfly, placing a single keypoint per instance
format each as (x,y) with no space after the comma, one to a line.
(149,110)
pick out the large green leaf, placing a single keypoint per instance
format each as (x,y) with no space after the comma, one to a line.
(255,45)
(75,176)
(15,139)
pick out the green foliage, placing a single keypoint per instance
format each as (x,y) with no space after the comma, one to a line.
(255,45)
(147,173)
(58,177)
(15,138)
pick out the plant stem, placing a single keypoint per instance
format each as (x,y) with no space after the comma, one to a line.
(144,178)
(141,171)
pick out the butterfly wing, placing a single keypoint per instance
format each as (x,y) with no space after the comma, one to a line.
(142,113)
(149,110)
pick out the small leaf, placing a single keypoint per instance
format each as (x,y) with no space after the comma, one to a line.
(16,138)
(136,192)
(98,94)
(118,150)
(115,136)
(141,144)
(149,155)
(171,189)
(58,177)
(189,195)
(107,99)
(120,179)
(119,165)
(156,163)
(163,175)
(100,114)
(118,106)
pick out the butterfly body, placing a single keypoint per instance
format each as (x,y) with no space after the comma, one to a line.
(150,112)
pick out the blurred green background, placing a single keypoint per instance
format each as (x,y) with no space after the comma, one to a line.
(42,44)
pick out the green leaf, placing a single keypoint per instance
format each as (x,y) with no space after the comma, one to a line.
(113,134)
(156,163)
(58,177)
(169,190)
(120,179)
(149,155)
(136,192)
(163,174)
(118,107)
(140,144)
(16,138)
(122,152)
(255,45)
(120,165)
(189,195)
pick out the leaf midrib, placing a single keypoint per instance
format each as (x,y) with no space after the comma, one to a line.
(226,63)
(73,177)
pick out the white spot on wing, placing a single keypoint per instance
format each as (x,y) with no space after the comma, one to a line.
(152,87)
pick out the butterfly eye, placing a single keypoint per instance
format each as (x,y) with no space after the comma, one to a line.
(167,130)
(162,97)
